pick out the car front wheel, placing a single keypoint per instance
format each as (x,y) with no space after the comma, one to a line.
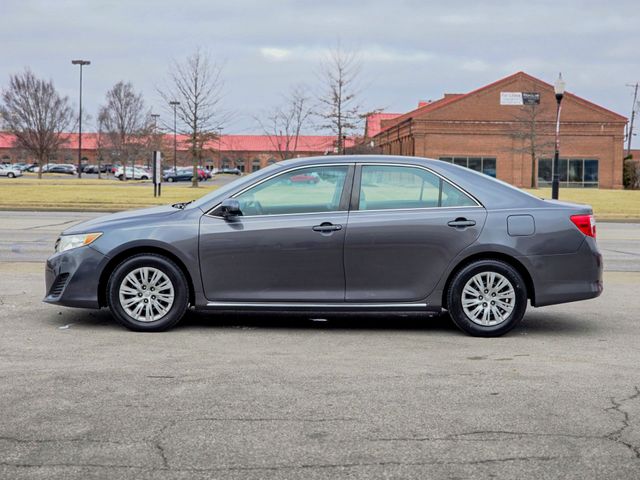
(487,298)
(10,175)
(148,293)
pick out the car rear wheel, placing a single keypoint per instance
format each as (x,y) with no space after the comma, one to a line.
(170,179)
(10,175)
(148,293)
(487,298)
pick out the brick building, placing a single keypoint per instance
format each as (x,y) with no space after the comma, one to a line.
(246,152)
(492,131)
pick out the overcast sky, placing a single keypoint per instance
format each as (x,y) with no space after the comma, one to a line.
(410,49)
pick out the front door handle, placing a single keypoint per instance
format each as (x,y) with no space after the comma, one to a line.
(461,223)
(327,227)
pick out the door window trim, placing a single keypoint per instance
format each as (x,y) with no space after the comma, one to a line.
(355,191)
(343,205)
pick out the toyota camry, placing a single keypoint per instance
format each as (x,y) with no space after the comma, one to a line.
(368,234)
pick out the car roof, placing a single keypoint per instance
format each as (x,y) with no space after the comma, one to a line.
(490,192)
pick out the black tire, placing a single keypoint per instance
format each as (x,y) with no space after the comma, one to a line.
(170,179)
(10,175)
(454,298)
(144,177)
(166,266)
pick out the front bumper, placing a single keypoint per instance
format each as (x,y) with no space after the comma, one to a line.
(568,277)
(72,277)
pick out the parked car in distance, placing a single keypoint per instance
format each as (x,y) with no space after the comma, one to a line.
(304,178)
(23,167)
(66,168)
(375,234)
(90,169)
(135,173)
(203,175)
(182,174)
(10,171)
(103,168)
(230,171)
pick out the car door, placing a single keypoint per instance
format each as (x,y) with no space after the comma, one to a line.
(287,246)
(406,224)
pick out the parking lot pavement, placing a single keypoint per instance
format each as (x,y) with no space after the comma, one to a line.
(254,397)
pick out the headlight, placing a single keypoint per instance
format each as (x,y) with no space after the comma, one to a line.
(67,242)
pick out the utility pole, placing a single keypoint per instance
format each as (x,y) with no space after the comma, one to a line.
(633,116)
(82,63)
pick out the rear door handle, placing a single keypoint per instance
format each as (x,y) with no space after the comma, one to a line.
(327,227)
(461,223)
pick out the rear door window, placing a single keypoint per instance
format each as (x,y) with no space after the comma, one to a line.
(386,187)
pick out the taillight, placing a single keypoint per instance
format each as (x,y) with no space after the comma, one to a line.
(585,223)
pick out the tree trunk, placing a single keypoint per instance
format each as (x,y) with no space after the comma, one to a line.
(39,167)
(534,183)
(194,179)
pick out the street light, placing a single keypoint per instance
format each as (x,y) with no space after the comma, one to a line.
(175,142)
(82,63)
(555,183)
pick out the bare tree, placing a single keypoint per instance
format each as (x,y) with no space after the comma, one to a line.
(339,109)
(38,117)
(197,84)
(284,124)
(532,134)
(125,122)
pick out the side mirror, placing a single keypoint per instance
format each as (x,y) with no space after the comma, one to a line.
(230,207)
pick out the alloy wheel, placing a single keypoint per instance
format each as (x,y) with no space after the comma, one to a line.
(488,298)
(146,294)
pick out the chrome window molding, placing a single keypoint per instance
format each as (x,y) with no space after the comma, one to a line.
(410,165)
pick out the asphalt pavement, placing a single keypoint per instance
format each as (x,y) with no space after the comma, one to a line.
(255,396)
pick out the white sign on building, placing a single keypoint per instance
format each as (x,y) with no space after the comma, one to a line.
(519,98)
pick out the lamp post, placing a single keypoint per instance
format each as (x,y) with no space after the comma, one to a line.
(555,183)
(82,63)
(175,141)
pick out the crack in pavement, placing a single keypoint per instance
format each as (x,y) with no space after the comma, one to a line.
(157,442)
(617,434)
(456,436)
(62,440)
(614,436)
(273,419)
(296,467)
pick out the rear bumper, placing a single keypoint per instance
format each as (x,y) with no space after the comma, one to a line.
(569,277)
(72,277)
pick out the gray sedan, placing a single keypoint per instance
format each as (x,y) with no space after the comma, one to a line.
(373,233)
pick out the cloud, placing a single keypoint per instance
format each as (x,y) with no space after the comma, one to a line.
(272,53)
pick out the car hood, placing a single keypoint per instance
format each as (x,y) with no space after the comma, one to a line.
(121,218)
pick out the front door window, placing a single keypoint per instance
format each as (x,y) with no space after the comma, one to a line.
(306,190)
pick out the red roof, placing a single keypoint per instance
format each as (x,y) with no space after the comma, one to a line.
(454,97)
(227,143)
(373,124)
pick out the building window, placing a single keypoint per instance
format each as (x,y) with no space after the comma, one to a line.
(255,165)
(573,172)
(486,165)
